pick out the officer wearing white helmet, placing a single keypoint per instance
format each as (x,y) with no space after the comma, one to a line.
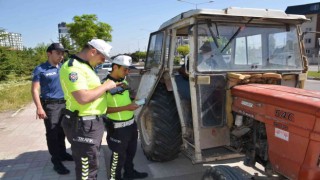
(121,127)
(85,105)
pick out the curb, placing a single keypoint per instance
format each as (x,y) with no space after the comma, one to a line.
(313,78)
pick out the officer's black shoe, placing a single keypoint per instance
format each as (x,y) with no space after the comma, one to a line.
(135,175)
(60,168)
(66,157)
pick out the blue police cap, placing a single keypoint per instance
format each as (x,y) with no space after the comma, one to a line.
(56,46)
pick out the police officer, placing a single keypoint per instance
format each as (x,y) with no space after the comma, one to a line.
(49,104)
(121,127)
(86,103)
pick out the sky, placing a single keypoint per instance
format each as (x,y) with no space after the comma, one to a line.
(131,20)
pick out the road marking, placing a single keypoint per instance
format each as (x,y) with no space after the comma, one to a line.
(14,114)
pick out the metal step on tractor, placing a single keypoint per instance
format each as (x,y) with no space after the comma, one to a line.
(237,93)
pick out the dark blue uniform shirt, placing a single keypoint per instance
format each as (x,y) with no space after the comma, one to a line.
(48,76)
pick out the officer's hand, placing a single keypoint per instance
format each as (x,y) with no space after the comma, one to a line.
(109,84)
(41,114)
(133,106)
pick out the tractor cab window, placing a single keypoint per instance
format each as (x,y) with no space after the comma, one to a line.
(281,50)
(154,51)
(248,47)
(245,44)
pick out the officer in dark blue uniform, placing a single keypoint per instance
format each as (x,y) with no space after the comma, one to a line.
(50,102)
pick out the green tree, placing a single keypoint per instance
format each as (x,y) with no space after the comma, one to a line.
(23,62)
(176,60)
(86,27)
(3,35)
(136,56)
(20,64)
(40,53)
(4,63)
(29,60)
(183,50)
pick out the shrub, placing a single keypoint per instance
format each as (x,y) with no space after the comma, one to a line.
(176,60)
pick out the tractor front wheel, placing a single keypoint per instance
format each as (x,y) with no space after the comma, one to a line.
(159,127)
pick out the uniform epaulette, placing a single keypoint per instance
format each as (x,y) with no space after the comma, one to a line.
(70,62)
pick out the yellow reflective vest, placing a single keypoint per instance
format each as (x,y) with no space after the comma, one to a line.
(119,100)
(81,76)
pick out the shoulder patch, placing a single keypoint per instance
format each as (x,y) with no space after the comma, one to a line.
(73,76)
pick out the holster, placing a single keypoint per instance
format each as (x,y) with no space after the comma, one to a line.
(73,116)
(108,125)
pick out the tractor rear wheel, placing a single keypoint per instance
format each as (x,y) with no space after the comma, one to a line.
(159,127)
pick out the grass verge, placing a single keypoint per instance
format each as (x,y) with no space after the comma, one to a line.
(313,74)
(15,95)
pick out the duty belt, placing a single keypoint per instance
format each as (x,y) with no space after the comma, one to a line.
(53,101)
(123,124)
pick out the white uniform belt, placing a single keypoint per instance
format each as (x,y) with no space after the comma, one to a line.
(123,124)
(87,118)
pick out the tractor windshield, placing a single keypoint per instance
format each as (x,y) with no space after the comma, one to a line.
(247,47)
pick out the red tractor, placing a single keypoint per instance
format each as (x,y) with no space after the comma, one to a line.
(284,125)
(235,94)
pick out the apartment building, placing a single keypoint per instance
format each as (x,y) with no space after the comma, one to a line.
(64,32)
(12,40)
(311,39)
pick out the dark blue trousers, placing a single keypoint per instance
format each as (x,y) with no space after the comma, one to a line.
(54,132)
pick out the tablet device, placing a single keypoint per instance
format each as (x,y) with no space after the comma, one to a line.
(140,102)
